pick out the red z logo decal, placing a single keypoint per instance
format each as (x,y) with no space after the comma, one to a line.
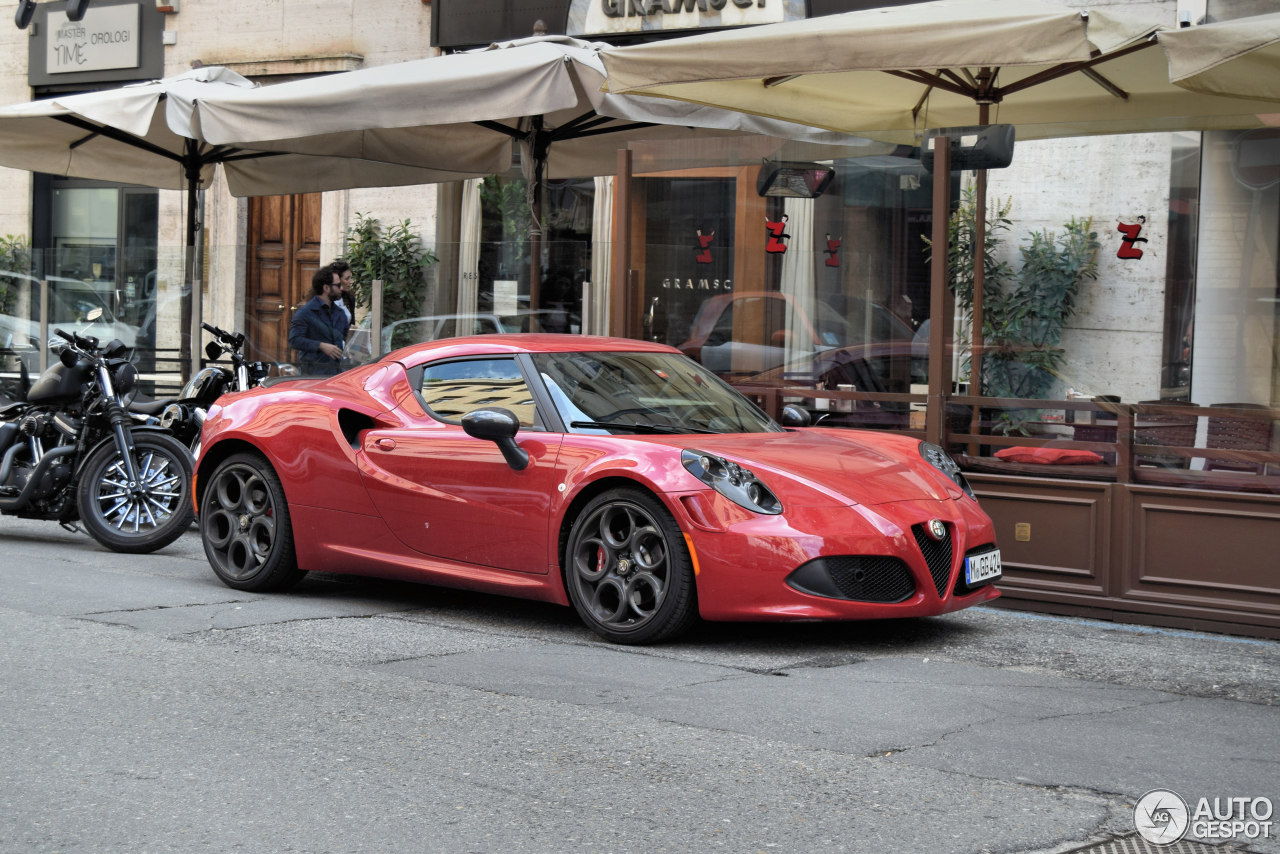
(1129,243)
(832,250)
(775,246)
(704,254)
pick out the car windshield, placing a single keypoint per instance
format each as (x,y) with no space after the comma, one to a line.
(645,393)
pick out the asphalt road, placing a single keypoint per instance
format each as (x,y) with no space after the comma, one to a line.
(147,708)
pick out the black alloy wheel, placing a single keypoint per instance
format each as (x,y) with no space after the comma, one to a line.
(628,571)
(245,527)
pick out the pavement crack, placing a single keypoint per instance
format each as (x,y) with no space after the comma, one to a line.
(88,614)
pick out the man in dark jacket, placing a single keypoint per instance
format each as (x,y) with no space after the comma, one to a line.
(319,328)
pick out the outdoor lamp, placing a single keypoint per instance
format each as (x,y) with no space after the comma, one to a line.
(793,180)
(26,8)
(76,9)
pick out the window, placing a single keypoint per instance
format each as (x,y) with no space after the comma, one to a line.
(452,389)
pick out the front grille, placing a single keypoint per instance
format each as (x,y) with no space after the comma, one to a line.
(937,554)
(859,578)
(872,579)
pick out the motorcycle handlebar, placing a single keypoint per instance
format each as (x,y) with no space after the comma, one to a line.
(76,340)
(235,340)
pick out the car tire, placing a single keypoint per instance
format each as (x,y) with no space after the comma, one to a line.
(245,526)
(628,571)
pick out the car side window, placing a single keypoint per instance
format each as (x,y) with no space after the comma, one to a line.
(722,332)
(452,389)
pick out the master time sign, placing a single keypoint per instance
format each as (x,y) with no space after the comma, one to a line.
(601,17)
(107,37)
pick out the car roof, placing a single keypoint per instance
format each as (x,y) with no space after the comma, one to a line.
(527,342)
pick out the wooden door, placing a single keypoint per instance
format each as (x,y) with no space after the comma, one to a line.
(284,252)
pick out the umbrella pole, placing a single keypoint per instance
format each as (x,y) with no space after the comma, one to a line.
(979,285)
(538,147)
(192,307)
(939,299)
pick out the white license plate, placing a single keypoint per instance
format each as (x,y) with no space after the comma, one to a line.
(983,567)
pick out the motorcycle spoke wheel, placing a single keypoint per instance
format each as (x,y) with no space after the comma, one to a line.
(133,511)
(144,515)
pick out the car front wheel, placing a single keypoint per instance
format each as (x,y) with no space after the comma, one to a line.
(628,571)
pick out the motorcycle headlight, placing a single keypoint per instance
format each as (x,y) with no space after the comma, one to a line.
(124,377)
(941,460)
(732,481)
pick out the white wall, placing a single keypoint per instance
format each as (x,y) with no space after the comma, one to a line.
(1113,342)
(15,184)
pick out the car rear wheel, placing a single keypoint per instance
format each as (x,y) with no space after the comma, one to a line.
(628,571)
(245,527)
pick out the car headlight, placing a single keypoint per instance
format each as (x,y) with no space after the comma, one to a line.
(732,481)
(941,460)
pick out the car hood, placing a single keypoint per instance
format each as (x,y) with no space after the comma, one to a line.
(817,467)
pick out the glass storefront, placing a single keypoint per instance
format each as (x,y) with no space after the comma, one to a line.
(96,268)
(1125,277)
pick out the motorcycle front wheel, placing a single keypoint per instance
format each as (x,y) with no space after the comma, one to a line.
(147,516)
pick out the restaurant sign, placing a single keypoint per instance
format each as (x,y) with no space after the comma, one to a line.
(604,17)
(107,37)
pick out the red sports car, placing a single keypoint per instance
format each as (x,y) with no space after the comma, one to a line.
(617,476)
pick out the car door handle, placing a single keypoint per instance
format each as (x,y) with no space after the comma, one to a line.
(385,444)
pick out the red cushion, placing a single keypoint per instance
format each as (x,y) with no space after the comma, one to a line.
(1053,456)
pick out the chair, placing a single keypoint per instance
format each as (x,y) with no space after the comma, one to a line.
(1238,434)
(1178,431)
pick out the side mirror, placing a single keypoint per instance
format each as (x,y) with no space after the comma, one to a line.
(497,425)
(794,416)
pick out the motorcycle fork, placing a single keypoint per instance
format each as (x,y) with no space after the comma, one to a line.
(120,427)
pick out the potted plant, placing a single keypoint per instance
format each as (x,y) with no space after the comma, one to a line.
(1024,310)
(395,256)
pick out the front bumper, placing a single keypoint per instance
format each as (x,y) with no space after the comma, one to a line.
(846,563)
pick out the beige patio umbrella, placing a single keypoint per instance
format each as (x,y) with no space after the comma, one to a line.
(141,134)
(1236,58)
(444,111)
(892,73)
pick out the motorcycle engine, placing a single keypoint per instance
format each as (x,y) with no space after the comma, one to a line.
(46,430)
(35,425)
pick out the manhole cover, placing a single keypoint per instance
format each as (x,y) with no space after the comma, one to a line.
(1135,844)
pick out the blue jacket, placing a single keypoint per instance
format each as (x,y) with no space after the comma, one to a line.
(316,323)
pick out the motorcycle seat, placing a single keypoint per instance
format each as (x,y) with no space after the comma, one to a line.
(151,407)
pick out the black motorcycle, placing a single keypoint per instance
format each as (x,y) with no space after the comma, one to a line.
(71,452)
(184,418)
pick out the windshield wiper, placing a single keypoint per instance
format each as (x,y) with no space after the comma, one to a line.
(639,428)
